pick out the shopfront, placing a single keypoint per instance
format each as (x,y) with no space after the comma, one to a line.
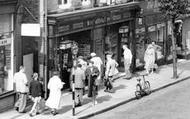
(151,28)
(6,56)
(78,34)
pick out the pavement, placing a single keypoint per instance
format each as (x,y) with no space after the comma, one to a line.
(124,91)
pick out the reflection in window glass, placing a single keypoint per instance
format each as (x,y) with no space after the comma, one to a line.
(6,80)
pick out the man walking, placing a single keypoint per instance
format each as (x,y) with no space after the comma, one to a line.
(127,60)
(92,73)
(111,70)
(21,89)
(79,84)
(99,64)
(35,93)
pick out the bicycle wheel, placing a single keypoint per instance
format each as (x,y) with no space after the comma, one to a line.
(147,87)
(138,91)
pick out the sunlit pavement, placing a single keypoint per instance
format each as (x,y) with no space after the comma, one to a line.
(124,92)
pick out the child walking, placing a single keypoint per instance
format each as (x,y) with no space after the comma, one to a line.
(35,93)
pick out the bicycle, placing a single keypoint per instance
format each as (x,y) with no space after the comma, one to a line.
(142,87)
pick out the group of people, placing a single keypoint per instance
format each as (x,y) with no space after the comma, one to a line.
(88,74)
(34,88)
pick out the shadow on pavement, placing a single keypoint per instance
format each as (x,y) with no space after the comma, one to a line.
(86,100)
(65,109)
(180,73)
(118,88)
(104,98)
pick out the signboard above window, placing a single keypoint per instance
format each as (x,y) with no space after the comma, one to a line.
(30,29)
(151,29)
(124,29)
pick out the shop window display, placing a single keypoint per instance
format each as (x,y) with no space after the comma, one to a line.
(157,37)
(140,50)
(6,80)
(111,40)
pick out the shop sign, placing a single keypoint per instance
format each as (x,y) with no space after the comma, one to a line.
(108,19)
(100,20)
(127,14)
(4,42)
(30,29)
(89,23)
(64,28)
(151,29)
(161,25)
(78,25)
(124,29)
(140,30)
(116,17)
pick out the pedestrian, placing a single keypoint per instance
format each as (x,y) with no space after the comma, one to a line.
(158,54)
(82,62)
(73,68)
(79,85)
(99,64)
(21,89)
(149,59)
(127,60)
(54,85)
(92,74)
(111,71)
(36,94)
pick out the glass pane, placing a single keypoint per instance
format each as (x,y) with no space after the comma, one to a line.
(6,79)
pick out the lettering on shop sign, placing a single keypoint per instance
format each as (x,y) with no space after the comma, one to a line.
(89,23)
(140,30)
(116,17)
(160,25)
(4,42)
(151,28)
(64,28)
(100,20)
(78,25)
(108,19)
(126,15)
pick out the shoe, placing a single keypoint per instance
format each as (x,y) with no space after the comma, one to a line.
(54,113)
(105,90)
(16,108)
(78,105)
(110,91)
(31,115)
(95,102)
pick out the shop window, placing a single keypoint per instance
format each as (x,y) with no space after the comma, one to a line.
(6,75)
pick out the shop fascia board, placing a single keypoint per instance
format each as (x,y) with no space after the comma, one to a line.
(59,16)
(7,2)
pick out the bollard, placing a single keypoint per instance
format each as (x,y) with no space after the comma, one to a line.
(73,95)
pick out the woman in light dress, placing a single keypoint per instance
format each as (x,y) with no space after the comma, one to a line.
(54,85)
(149,58)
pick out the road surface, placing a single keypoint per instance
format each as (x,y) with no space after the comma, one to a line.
(169,103)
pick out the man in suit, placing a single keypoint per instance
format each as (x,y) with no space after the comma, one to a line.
(92,74)
(79,84)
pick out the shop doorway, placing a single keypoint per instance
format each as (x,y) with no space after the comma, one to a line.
(28,64)
(123,40)
(65,64)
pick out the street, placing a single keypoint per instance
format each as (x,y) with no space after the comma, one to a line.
(169,103)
